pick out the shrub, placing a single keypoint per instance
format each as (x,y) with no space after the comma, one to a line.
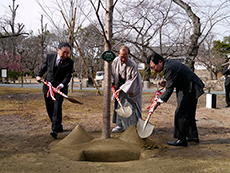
(13,75)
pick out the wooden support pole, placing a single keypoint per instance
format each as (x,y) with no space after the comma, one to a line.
(82,56)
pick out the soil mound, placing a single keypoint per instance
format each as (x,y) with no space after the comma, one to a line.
(77,136)
(84,147)
(130,136)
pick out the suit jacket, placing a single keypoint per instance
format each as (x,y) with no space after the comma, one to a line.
(62,75)
(226,72)
(181,77)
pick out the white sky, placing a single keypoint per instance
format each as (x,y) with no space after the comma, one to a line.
(29,13)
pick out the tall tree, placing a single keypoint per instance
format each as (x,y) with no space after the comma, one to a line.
(210,57)
(92,46)
(107,31)
(213,16)
(11,30)
(145,25)
(42,35)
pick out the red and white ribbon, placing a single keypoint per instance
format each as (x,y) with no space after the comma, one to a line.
(155,97)
(50,91)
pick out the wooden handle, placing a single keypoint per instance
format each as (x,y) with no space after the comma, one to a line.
(55,89)
(115,94)
(147,119)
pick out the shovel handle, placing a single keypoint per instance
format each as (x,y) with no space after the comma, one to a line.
(118,100)
(114,92)
(55,89)
(148,117)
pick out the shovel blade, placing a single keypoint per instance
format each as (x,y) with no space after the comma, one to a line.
(73,100)
(125,112)
(146,131)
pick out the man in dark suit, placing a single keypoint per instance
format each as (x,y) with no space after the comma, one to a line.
(189,88)
(226,72)
(58,68)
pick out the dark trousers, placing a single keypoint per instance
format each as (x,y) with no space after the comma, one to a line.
(54,110)
(184,121)
(227,92)
(122,121)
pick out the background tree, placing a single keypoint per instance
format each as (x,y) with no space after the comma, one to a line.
(213,14)
(11,30)
(221,51)
(141,27)
(145,26)
(209,57)
(92,46)
(43,36)
(177,30)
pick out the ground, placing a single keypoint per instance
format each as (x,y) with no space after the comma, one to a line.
(26,146)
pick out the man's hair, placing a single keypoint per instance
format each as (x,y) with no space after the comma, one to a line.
(155,57)
(124,47)
(64,44)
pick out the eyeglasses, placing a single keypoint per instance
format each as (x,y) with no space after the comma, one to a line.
(64,52)
(123,57)
(153,67)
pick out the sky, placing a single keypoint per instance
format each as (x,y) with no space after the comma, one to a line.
(28,13)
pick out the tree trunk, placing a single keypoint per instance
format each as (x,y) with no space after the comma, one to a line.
(107,69)
(71,42)
(146,73)
(42,41)
(193,47)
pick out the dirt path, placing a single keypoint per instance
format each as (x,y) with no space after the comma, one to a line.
(25,141)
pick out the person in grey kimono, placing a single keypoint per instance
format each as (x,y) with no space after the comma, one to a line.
(127,82)
(189,88)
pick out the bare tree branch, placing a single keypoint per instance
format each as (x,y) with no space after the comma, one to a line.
(193,48)
(99,19)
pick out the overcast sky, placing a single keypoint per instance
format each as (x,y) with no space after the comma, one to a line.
(29,13)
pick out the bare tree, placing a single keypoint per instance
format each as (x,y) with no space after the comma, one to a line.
(107,32)
(11,29)
(52,11)
(165,28)
(216,13)
(210,58)
(92,46)
(42,35)
(145,25)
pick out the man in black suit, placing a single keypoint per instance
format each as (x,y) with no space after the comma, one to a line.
(58,68)
(189,88)
(226,72)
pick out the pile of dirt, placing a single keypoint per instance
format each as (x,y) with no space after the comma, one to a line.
(79,145)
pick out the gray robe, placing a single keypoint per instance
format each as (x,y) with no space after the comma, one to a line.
(131,85)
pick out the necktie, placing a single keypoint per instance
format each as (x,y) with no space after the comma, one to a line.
(57,65)
(60,61)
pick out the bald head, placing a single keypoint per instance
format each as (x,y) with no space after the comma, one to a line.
(124,48)
(124,54)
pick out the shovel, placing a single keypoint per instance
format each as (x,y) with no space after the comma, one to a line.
(61,93)
(124,111)
(144,128)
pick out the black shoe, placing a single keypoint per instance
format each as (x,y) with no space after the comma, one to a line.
(53,134)
(196,140)
(59,130)
(227,106)
(178,142)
